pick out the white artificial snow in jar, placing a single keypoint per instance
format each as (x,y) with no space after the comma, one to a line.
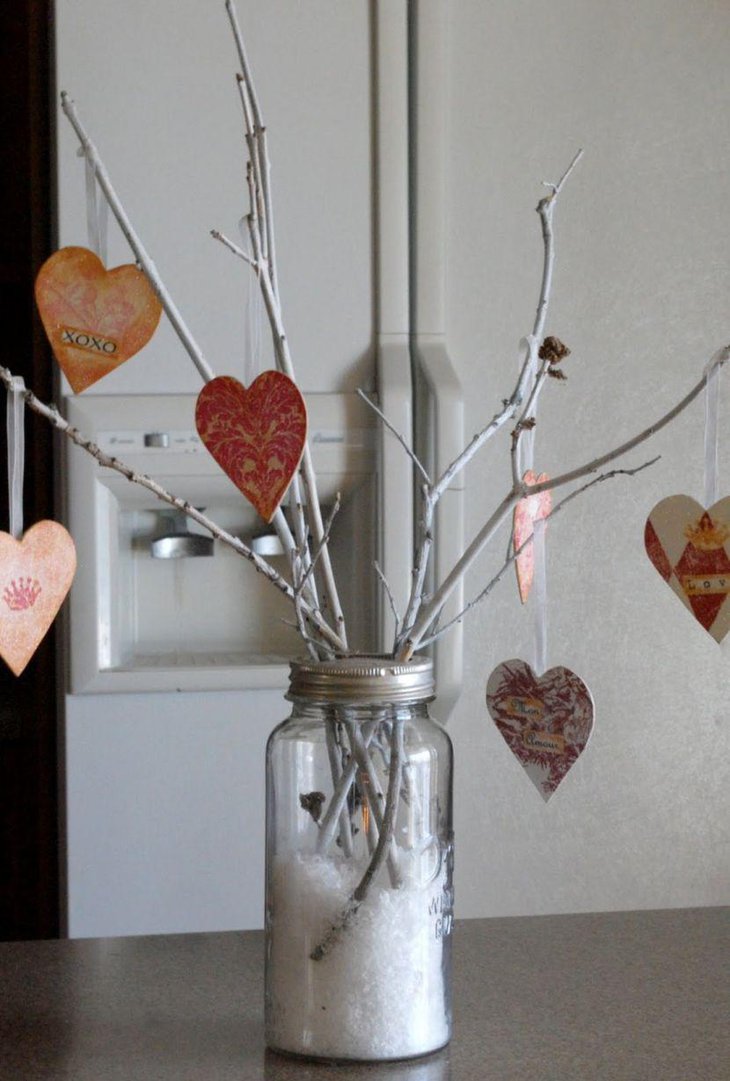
(378,992)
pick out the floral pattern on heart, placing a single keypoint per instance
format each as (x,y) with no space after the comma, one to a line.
(690,547)
(528,511)
(256,434)
(95,319)
(35,576)
(546,722)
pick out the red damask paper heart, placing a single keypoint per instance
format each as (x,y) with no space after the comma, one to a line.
(35,576)
(690,547)
(256,435)
(95,319)
(527,512)
(545,721)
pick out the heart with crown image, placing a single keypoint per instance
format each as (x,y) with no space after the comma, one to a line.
(35,576)
(690,547)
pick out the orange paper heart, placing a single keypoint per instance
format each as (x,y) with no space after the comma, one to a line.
(35,576)
(527,512)
(690,547)
(256,435)
(95,318)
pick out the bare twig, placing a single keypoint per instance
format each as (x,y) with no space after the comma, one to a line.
(141,255)
(389,595)
(385,838)
(513,555)
(236,250)
(322,544)
(51,414)
(398,435)
(720,358)
(281,347)
(444,591)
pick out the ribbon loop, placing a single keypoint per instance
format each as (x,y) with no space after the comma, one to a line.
(525,462)
(712,417)
(539,598)
(97,212)
(16,454)
(253,328)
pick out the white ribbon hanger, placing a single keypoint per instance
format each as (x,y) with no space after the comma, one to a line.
(16,454)
(97,212)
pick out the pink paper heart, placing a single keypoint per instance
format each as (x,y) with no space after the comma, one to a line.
(528,511)
(95,318)
(256,435)
(35,576)
(690,547)
(546,721)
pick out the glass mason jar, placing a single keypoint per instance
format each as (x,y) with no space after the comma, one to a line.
(359,860)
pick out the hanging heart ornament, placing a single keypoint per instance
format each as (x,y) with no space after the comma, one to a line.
(35,576)
(256,434)
(528,511)
(545,721)
(95,318)
(690,547)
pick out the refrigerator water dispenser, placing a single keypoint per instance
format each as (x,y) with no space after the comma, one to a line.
(158,605)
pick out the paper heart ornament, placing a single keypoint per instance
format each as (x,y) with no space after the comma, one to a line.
(35,576)
(527,512)
(690,547)
(95,318)
(256,435)
(546,722)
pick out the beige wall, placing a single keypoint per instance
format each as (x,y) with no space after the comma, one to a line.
(641,297)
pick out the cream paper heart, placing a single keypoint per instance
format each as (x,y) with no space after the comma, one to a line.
(690,547)
(35,576)
(546,722)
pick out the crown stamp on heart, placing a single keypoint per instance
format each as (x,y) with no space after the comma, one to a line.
(256,434)
(690,547)
(95,318)
(35,576)
(528,511)
(546,721)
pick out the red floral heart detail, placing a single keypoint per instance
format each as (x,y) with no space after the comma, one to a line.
(527,512)
(690,547)
(256,435)
(546,722)
(95,318)
(35,576)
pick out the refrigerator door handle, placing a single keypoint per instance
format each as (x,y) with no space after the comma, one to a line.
(444,408)
(431,358)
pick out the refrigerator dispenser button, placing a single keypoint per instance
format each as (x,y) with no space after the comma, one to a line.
(156,439)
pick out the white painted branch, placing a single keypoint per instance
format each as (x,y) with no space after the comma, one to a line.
(322,544)
(720,358)
(545,209)
(420,565)
(389,594)
(51,414)
(268,279)
(401,438)
(429,612)
(144,260)
(512,556)
(281,345)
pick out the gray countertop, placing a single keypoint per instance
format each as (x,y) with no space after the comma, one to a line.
(633,996)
